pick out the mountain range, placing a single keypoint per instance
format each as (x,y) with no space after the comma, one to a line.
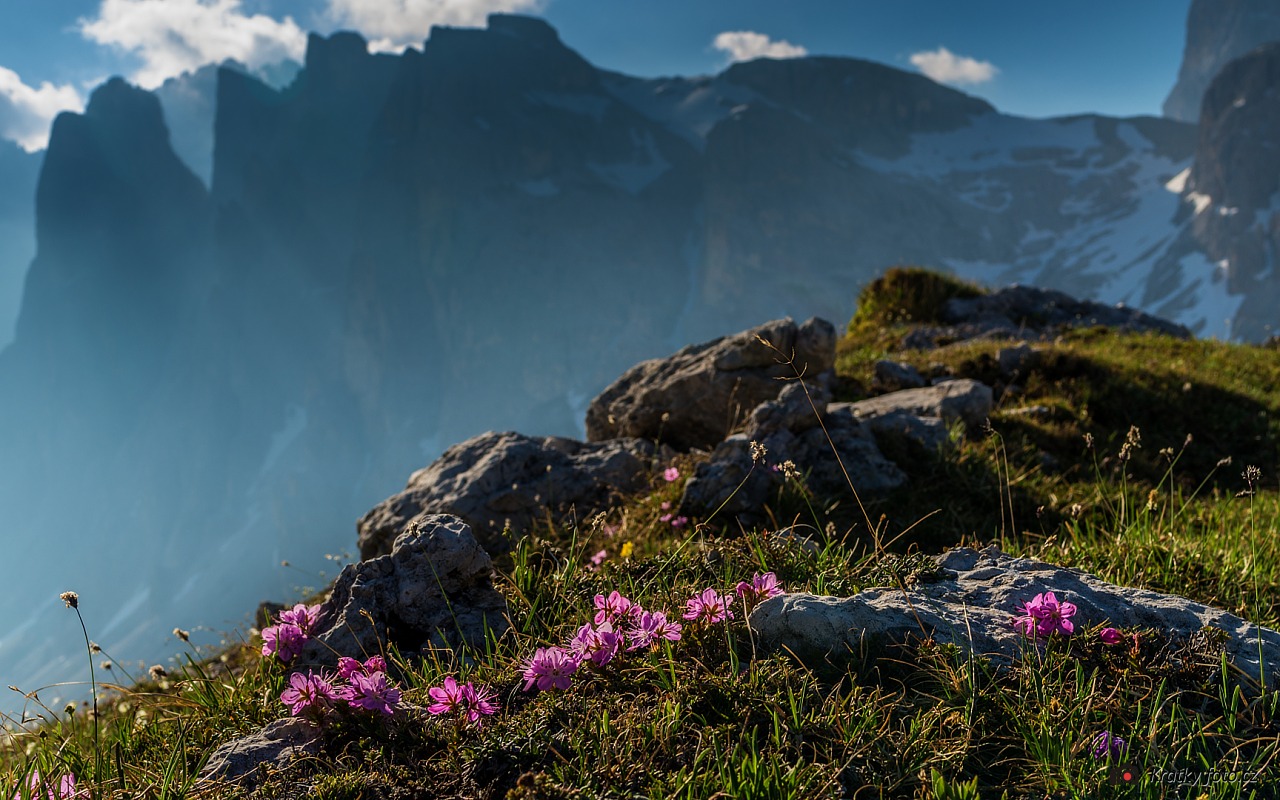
(218,365)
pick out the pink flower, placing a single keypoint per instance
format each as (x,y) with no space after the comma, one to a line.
(671,474)
(350,666)
(1045,616)
(651,628)
(1110,636)
(310,693)
(479,703)
(599,645)
(373,693)
(448,697)
(284,641)
(462,698)
(550,668)
(666,517)
(761,587)
(598,559)
(614,607)
(679,522)
(708,606)
(304,616)
(66,788)
(665,505)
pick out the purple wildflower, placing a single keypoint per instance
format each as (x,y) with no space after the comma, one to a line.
(1110,636)
(373,693)
(761,587)
(1044,616)
(679,522)
(651,628)
(666,517)
(65,788)
(599,645)
(479,703)
(708,606)
(1107,745)
(304,616)
(614,607)
(310,693)
(448,697)
(550,668)
(284,641)
(598,559)
(350,666)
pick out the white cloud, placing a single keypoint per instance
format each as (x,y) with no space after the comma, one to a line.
(746,45)
(944,66)
(176,36)
(392,25)
(27,112)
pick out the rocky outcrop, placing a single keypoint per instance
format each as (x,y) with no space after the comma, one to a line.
(1218,31)
(1029,312)
(746,469)
(507,481)
(241,761)
(696,397)
(961,399)
(974,602)
(1234,188)
(893,376)
(434,588)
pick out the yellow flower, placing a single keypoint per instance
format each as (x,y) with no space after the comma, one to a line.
(627,547)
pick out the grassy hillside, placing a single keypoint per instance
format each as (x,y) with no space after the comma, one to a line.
(1131,464)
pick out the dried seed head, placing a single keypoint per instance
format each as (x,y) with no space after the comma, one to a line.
(157,672)
(1251,474)
(1088,440)
(71,599)
(758,452)
(181,634)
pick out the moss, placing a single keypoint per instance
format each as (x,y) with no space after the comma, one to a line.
(908,294)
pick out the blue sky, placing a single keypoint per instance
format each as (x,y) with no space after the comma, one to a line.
(1029,58)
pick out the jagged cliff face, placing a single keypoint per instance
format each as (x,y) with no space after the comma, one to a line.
(1234,186)
(1218,32)
(18,172)
(396,252)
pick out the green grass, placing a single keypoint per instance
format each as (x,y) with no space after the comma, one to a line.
(711,717)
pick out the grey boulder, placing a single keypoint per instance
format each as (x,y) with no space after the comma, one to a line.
(960,399)
(241,761)
(695,398)
(500,479)
(974,605)
(434,588)
(893,376)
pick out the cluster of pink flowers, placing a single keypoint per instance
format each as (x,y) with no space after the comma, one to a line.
(367,689)
(293,628)
(1044,616)
(619,625)
(709,606)
(463,699)
(761,587)
(676,522)
(62,789)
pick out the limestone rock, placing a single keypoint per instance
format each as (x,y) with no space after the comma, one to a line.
(499,477)
(434,587)
(960,399)
(728,481)
(1015,362)
(893,376)
(974,605)
(697,396)
(273,747)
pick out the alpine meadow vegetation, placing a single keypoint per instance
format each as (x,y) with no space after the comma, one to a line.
(630,671)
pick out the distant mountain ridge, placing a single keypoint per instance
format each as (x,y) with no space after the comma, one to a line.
(397,252)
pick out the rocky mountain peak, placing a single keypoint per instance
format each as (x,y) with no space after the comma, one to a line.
(1218,31)
(1234,186)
